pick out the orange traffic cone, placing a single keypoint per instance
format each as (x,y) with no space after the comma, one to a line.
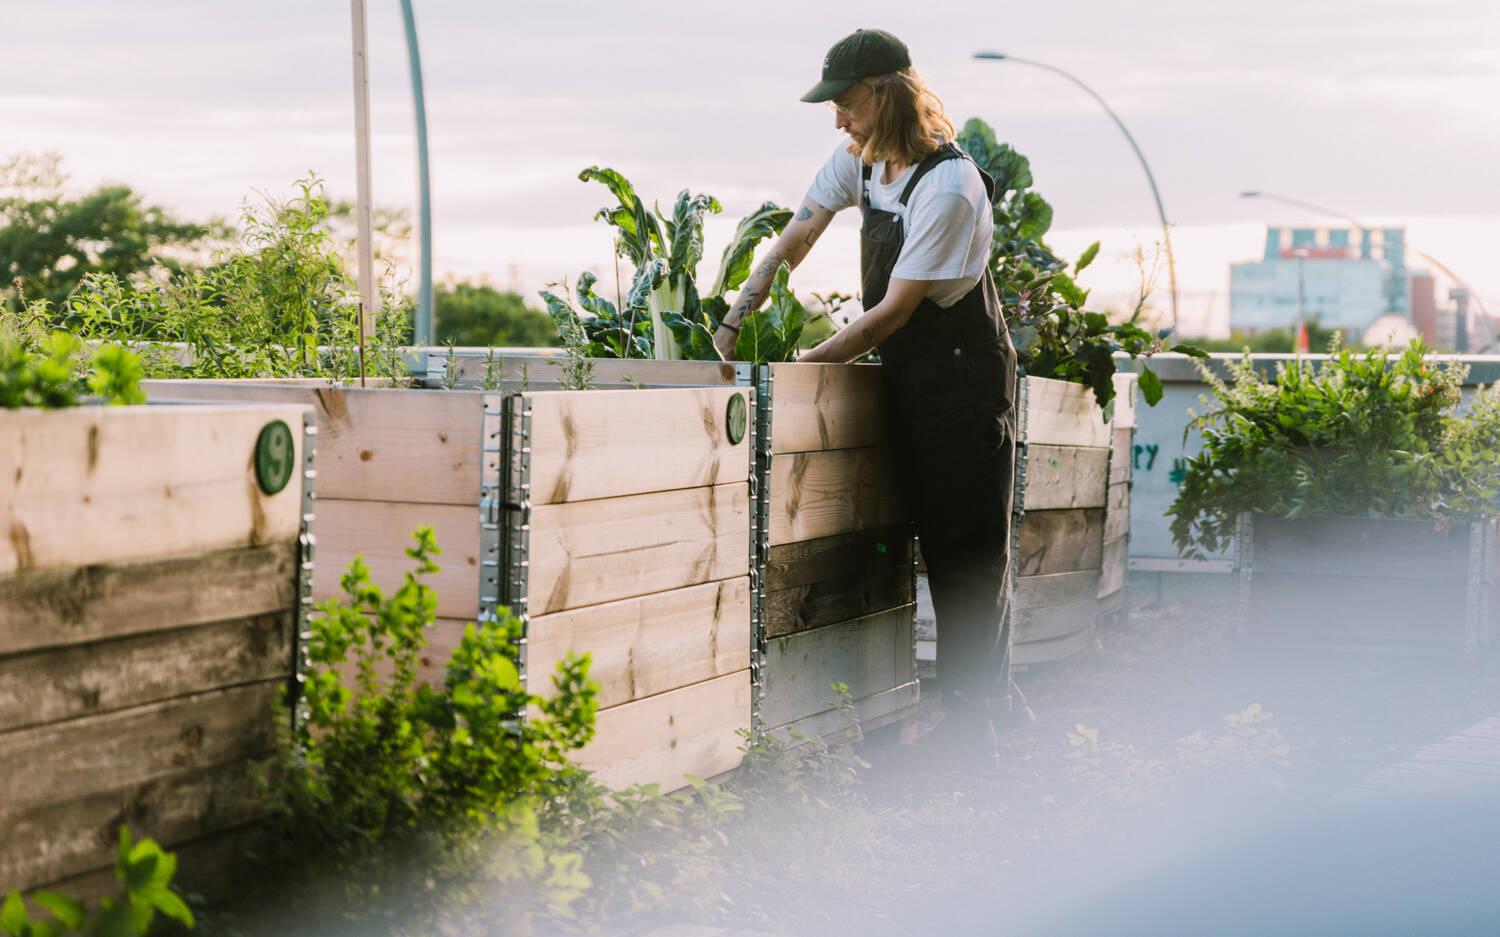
(1303,345)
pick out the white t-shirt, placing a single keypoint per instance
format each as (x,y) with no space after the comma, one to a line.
(947,221)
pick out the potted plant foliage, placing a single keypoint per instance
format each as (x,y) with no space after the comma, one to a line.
(1361,494)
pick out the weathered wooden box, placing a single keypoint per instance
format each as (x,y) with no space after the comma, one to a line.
(1073,517)
(150,588)
(1365,582)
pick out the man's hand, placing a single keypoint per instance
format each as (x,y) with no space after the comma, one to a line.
(796,239)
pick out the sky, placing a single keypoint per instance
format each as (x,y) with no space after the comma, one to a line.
(1384,111)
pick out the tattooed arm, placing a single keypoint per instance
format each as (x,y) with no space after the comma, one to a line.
(875,326)
(796,239)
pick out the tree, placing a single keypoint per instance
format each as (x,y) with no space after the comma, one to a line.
(49,242)
(1278,341)
(471,314)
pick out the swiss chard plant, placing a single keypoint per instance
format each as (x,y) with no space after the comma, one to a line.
(1361,435)
(1054,334)
(665,314)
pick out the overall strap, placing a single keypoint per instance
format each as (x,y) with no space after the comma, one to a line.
(945,152)
(864,185)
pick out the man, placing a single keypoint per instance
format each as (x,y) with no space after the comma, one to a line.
(931,310)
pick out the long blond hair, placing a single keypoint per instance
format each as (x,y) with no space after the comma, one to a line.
(909,120)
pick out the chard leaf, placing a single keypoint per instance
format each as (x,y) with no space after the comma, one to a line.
(1009,169)
(685,232)
(565,318)
(734,266)
(593,302)
(771,332)
(694,340)
(640,233)
(1035,217)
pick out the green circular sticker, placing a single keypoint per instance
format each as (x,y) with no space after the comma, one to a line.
(736,418)
(275,457)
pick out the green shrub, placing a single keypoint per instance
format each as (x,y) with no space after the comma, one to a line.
(49,372)
(145,873)
(1361,435)
(402,799)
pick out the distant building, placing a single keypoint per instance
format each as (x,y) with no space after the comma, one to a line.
(1347,278)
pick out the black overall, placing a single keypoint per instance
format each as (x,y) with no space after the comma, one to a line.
(950,375)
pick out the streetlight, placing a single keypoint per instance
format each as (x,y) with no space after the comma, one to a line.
(1166,233)
(1464,287)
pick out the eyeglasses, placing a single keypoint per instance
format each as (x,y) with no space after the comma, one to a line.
(848,107)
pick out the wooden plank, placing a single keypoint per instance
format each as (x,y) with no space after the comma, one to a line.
(1061,541)
(1357,609)
(648,645)
(591,552)
(374,444)
(820,582)
(1395,548)
(1117,512)
(693,730)
(64,761)
(1035,653)
(1056,588)
(1126,386)
(1055,621)
(821,494)
(818,407)
(1065,477)
(59,841)
(607,443)
(1111,606)
(1121,448)
(544,371)
(1113,565)
(57,607)
(51,686)
(1059,413)
(868,654)
(380,531)
(876,709)
(142,481)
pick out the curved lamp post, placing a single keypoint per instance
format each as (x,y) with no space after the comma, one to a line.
(1166,232)
(1298,203)
(424,310)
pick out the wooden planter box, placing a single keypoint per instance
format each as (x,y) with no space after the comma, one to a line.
(150,591)
(1358,582)
(1073,517)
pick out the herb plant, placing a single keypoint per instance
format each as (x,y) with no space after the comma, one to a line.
(1361,435)
(387,782)
(144,871)
(1054,335)
(49,372)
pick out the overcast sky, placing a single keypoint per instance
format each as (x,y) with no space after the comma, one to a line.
(1384,110)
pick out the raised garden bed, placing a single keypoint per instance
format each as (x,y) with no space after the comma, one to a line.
(151,583)
(1367,582)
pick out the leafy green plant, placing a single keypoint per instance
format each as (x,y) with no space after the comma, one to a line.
(663,315)
(144,871)
(1360,435)
(50,372)
(388,782)
(771,333)
(1054,335)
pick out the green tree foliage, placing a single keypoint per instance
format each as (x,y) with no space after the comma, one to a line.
(1360,435)
(50,241)
(1277,341)
(476,315)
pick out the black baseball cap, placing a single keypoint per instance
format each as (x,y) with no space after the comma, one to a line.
(860,54)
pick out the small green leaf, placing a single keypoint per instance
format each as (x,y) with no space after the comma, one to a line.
(1151,388)
(1087,258)
(65,909)
(13,914)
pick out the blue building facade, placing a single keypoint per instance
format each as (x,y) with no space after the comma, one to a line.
(1346,278)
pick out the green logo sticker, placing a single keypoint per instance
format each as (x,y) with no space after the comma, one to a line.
(736,418)
(275,457)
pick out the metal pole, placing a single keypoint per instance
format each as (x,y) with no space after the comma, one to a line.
(367,307)
(424,316)
(1161,213)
